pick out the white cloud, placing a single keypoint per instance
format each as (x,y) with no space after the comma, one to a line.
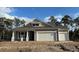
(46,19)
(5,12)
(58,17)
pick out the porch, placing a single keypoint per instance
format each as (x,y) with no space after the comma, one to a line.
(23,36)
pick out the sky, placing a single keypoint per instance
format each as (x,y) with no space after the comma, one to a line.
(41,13)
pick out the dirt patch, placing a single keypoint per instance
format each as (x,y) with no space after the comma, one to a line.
(32,46)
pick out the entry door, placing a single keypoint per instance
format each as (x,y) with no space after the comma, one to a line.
(31,35)
(23,36)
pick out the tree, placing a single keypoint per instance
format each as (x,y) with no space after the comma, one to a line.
(76,33)
(17,22)
(66,20)
(52,20)
(22,21)
(76,21)
(5,24)
(8,23)
(71,35)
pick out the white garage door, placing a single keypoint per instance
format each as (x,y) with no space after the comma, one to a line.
(62,36)
(46,36)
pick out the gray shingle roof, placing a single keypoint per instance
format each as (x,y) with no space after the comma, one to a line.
(46,27)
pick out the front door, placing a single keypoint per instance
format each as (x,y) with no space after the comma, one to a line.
(31,35)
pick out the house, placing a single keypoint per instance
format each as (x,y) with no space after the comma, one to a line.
(40,31)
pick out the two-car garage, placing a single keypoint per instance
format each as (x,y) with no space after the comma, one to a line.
(52,36)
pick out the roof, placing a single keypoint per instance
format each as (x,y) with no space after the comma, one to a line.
(36,21)
(45,26)
(57,26)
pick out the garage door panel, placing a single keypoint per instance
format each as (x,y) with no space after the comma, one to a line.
(46,36)
(62,36)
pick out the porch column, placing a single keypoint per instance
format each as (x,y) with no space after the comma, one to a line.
(13,36)
(27,37)
(56,39)
(36,36)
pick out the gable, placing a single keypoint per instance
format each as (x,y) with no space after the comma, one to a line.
(37,23)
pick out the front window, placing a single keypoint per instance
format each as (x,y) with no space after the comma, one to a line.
(35,25)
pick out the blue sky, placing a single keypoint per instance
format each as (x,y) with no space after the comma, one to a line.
(42,12)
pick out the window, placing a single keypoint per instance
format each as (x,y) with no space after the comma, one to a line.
(35,24)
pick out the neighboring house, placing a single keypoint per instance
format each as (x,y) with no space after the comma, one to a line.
(40,31)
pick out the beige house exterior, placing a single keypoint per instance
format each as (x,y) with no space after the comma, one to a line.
(40,31)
